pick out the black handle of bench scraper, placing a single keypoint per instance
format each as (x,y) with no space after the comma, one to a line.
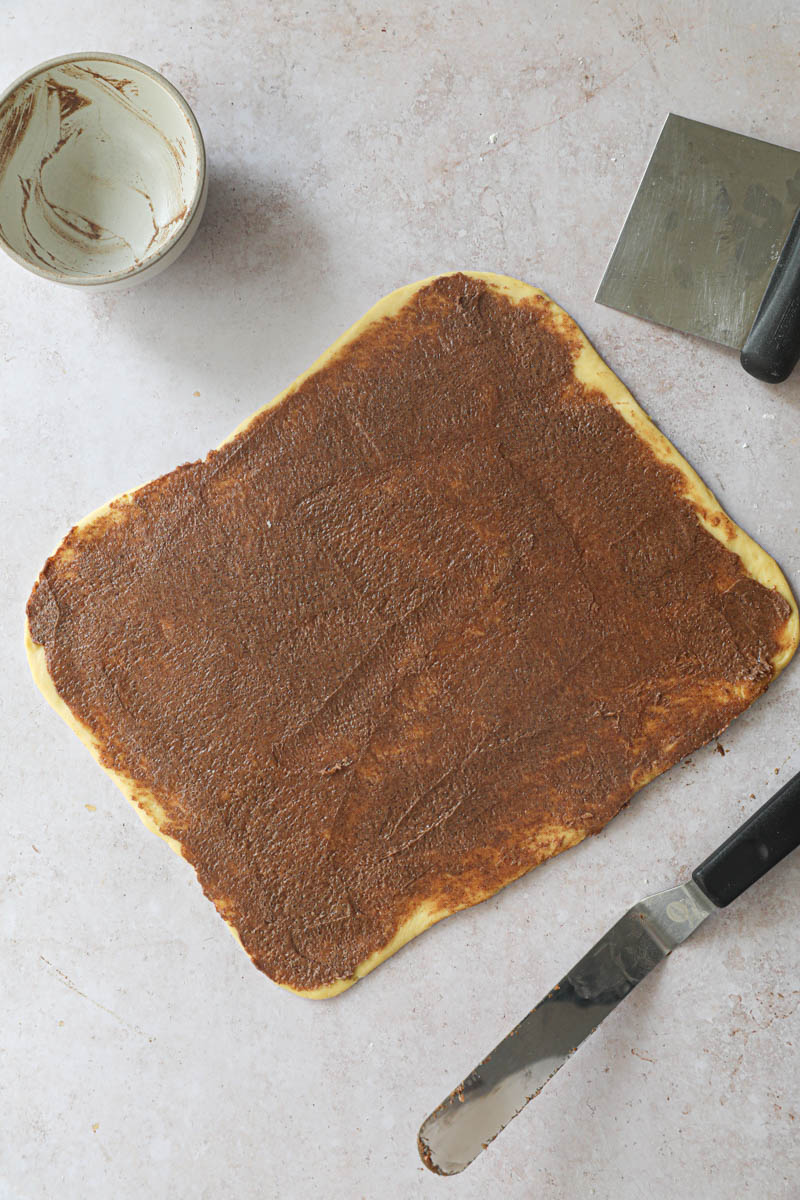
(772,346)
(757,846)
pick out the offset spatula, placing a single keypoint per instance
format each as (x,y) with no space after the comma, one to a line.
(519,1067)
(711,245)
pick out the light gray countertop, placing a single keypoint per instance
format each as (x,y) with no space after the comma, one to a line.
(354,148)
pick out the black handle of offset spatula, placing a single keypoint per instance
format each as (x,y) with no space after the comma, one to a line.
(764,839)
(772,346)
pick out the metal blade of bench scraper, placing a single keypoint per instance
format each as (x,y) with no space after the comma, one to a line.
(704,232)
(519,1067)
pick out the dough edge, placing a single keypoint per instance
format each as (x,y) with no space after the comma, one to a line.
(594,373)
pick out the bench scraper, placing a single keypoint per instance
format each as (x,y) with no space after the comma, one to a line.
(711,245)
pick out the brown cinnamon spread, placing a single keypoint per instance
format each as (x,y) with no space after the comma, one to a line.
(391,644)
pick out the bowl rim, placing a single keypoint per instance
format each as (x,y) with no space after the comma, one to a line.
(130,272)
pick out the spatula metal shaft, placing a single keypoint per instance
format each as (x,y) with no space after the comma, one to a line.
(519,1067)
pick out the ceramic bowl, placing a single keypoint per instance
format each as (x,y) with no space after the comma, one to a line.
(102,171)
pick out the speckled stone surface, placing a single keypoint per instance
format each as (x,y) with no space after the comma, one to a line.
(354,148)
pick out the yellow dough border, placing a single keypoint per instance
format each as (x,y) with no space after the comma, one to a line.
(590,370)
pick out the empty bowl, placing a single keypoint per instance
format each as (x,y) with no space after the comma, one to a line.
(102,171)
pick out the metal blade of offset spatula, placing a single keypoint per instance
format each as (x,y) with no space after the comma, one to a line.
(704,232)
(519,1067)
